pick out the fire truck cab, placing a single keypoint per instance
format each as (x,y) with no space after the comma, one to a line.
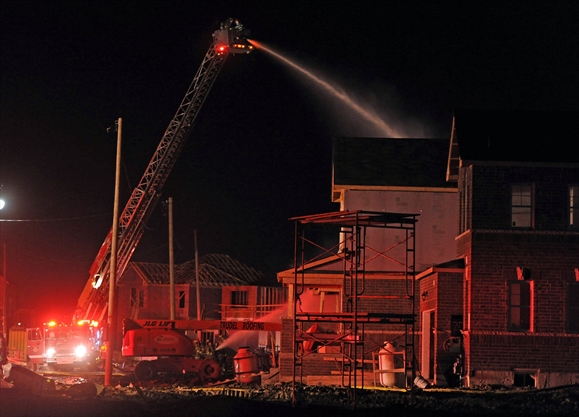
(72,346)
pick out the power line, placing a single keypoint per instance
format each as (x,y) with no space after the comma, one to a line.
(55,220)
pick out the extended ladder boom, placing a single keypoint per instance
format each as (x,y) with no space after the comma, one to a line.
(92,304)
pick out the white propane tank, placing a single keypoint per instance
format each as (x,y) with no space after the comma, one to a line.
(386,363)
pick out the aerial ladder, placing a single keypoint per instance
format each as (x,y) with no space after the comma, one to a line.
(231,38)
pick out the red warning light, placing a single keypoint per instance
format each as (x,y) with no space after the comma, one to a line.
(221,48)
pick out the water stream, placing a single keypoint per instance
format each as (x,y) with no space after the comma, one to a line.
(380,124)
(250,338)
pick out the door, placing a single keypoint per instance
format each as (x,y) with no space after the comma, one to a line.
(35,345)
(427,363)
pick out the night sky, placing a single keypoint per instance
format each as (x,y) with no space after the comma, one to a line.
(260,151)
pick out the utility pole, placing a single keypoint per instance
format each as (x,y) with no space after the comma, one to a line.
(198,291)
(4,286)
(171,260)
(113,268)
(4,294)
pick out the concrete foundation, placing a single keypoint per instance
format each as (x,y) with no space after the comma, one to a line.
(522,378)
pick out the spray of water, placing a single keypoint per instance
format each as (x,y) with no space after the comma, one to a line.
(382,126)
(240,338)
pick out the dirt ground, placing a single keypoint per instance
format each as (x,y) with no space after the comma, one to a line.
(234,400)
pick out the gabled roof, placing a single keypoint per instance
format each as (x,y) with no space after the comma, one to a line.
(214,271)
(385,162)
(513,136)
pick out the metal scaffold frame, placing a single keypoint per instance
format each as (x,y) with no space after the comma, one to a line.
(354,254)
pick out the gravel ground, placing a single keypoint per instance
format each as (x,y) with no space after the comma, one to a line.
(177,399)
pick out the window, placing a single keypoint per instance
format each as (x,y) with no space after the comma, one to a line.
(137,298)
(522,206)
(520,306)
(238,299)
(574,207)
(34,334)
(464,222)
(462,215)
(456,325)
(573,307)
(181,299)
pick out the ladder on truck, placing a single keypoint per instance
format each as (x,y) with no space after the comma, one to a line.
(232,37)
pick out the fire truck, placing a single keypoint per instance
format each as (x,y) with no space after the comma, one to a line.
(59,346)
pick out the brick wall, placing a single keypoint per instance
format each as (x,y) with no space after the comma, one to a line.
(491,186)
(550,353)
(550,259)
(386,287)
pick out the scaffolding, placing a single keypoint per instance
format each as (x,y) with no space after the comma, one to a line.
(351,323)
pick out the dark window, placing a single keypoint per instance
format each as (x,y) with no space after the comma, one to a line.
(522,205)
(467,215)
(520,311)
(573,307)
(239,299)
(181,299)
(462,216)
(137,297)
(574,207)
(34,334)
(456,325)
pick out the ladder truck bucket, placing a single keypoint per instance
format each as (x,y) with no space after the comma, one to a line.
(232,38)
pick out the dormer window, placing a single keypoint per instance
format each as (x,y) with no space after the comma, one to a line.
(522,206)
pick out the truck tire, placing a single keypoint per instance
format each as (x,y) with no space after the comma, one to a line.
(209,369)
(145,371)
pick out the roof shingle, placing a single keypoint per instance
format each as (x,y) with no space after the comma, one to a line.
(390,162)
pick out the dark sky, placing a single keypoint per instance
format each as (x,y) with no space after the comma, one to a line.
(260,151)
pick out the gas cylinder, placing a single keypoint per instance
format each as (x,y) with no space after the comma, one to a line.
(246,366)
(386,363)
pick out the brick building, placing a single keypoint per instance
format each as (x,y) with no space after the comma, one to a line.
(518,234)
